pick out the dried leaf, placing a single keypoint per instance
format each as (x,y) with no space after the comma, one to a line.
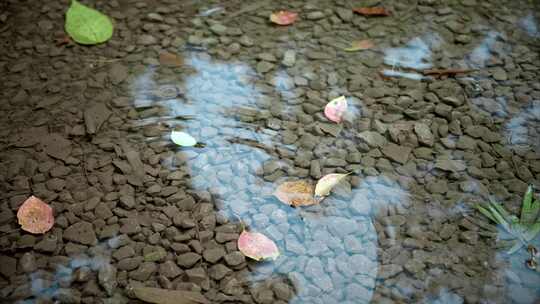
(335,109)
(183,139)
(360,45)
(283,17)
(35,216)
(257,246)
(166,296)
(372,11)
(295,193)
(170,59)
(327,182)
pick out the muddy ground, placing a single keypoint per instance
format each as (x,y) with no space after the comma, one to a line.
(86,129)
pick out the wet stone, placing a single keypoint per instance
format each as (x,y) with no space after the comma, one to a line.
(188,259)
(169,269)
(144,271)
(213,255)
(81,232)
(218,271)
(397,153)
(235,258)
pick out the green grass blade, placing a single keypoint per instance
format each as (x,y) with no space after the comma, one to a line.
(499,219)
(485,212)
(526,206)
(505,215)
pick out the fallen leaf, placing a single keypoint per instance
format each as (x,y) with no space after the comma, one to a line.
(283,17)
(327,182)
(35,216)
(360,45)
(170,59)
(257,246)
(335,109)
(372,11)
(295,193)
(166,296)
(86,25)
(183,139)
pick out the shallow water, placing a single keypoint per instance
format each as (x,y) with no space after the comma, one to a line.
(87,129)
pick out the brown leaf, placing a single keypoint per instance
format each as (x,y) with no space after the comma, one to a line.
(295,193)
(170,59)
(372,11)
(166,296)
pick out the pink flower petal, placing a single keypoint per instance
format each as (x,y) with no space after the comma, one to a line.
(283,17)
(35,216)
(257,246)
(335,109)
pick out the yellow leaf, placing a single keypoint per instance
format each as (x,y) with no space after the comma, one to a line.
(327,182)
(295,193)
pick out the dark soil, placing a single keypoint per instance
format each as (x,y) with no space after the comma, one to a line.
(86,129)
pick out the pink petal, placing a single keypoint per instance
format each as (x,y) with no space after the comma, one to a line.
(335,109)
(257,246)
(35,216)
(283,17)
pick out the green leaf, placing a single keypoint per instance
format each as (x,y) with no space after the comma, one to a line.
(526,205)
(493,208)
(86,25)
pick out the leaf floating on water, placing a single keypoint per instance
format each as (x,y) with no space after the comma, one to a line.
(183,139)
(360,45)
(166,296)
(170,59)
(372,11)
(327,182)
(295,193)
(257,246)
(283,17)
(335,109)
(86,25)
(35,216)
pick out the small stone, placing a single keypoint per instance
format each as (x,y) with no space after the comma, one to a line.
(315,15)
(289,58)
(107,278)
(147,40)
(188,259)
(214,254)
(388,271)
(373,139)
(264,67)
(117,74)
(219,271)
(169,269)
(27,263)
(235,258)
(424,134)
(218,29)
(144,272)
(81,232)
(397,153)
